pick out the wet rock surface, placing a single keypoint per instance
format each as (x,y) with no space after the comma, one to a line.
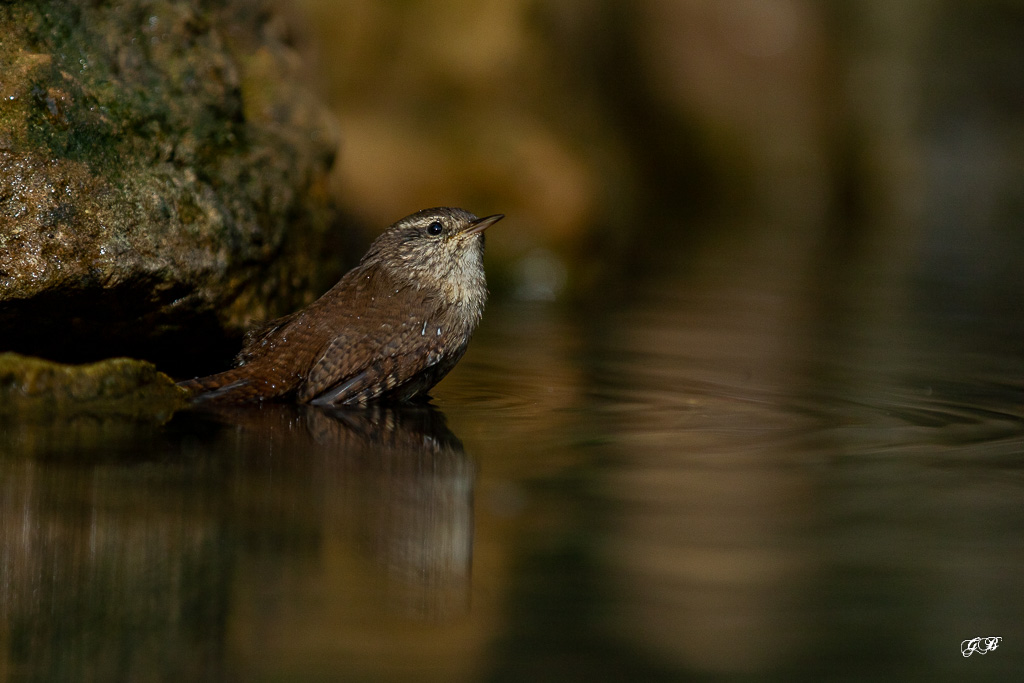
(162,174)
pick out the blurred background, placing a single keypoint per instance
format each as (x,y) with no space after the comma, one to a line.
(882,136)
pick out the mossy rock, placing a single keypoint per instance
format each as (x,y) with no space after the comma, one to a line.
(162,173)
(115,387)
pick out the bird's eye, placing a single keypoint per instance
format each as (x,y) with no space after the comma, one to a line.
(434,228)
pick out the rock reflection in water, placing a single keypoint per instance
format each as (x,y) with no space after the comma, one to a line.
(104,576)
(180,545)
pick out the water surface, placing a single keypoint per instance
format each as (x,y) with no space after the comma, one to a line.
(708,477)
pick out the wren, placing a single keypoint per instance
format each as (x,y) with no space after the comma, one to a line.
(389,330)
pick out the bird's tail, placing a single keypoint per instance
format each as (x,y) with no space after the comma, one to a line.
(233,385)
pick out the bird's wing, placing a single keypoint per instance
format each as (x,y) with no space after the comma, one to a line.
(263,339)
(388,339)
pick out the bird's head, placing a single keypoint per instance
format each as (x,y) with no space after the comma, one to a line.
(441,248)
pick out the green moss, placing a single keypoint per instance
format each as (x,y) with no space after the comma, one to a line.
(125,86)
(117,386)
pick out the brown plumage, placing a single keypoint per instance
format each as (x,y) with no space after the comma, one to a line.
(391,328)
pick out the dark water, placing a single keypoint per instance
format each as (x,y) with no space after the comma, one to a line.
(713,478)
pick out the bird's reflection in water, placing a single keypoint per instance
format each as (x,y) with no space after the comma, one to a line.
(394,478)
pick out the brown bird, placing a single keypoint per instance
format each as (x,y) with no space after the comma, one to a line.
(390,329)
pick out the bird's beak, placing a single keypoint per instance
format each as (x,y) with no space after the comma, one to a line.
(481,224)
